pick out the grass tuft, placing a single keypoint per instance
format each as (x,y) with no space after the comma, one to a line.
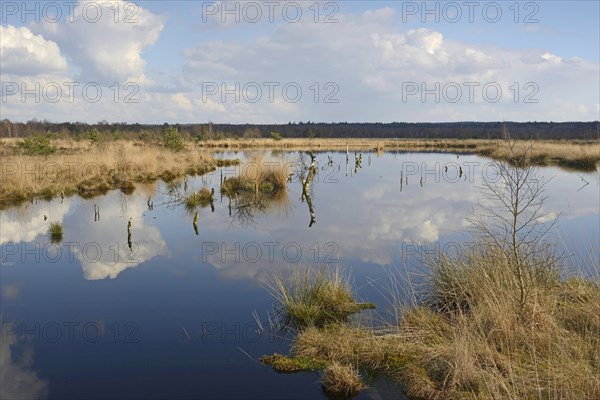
(200,198)
(310,297)
(341,380)
(56,232)
(258,176)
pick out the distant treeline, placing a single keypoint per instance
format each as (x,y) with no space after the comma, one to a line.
(205,131)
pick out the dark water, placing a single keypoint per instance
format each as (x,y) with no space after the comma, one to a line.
(172,316)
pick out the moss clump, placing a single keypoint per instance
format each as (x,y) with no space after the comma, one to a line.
(220,162)
(284,364)
(169,176)
(127,187)
(94,186)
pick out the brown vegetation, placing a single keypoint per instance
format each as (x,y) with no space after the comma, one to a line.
(474,339)
(574,154)
(258,175)
(90,168)
(78,167)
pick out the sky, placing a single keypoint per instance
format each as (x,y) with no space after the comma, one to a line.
(299,61)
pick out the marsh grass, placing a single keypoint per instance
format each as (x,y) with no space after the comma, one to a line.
(470,337)
(258,175)
(578,155)
(56,232)
(341,380)
(201,198)
(287,365)
(311,297)
(494,321)
(90,170)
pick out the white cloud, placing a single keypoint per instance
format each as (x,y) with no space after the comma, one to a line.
(369,56)
(24,53)
(106,51)
(371,59)
(17,379)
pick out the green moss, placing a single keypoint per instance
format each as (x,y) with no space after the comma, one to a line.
(284,364)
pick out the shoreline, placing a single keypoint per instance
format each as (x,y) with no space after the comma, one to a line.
(88,169)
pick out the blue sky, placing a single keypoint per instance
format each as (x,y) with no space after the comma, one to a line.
(189,61)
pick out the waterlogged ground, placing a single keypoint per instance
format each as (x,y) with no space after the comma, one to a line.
(177,311)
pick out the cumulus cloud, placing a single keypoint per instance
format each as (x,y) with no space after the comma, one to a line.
(373,59)
(17,379)
(110,49)
(24,53)
(369,56)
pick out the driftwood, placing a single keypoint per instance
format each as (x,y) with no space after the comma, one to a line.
(305,189)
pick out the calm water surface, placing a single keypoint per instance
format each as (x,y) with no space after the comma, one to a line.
(172,315)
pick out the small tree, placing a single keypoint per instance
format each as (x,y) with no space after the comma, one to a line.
(37,145)
(512,216)
(310,133)
(276,136)
(173,139)
(94,135)
(252,133)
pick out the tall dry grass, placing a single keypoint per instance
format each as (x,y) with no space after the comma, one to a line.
(91,169)
(472,339)
(572,154)
(259,174)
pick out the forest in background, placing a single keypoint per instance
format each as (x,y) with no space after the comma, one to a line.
(214,131)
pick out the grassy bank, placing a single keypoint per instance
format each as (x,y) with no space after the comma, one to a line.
(575,154)
(48,168)
(88,170)
(495,321)
(469,338)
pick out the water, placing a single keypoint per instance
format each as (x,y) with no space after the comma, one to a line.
(172,316)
